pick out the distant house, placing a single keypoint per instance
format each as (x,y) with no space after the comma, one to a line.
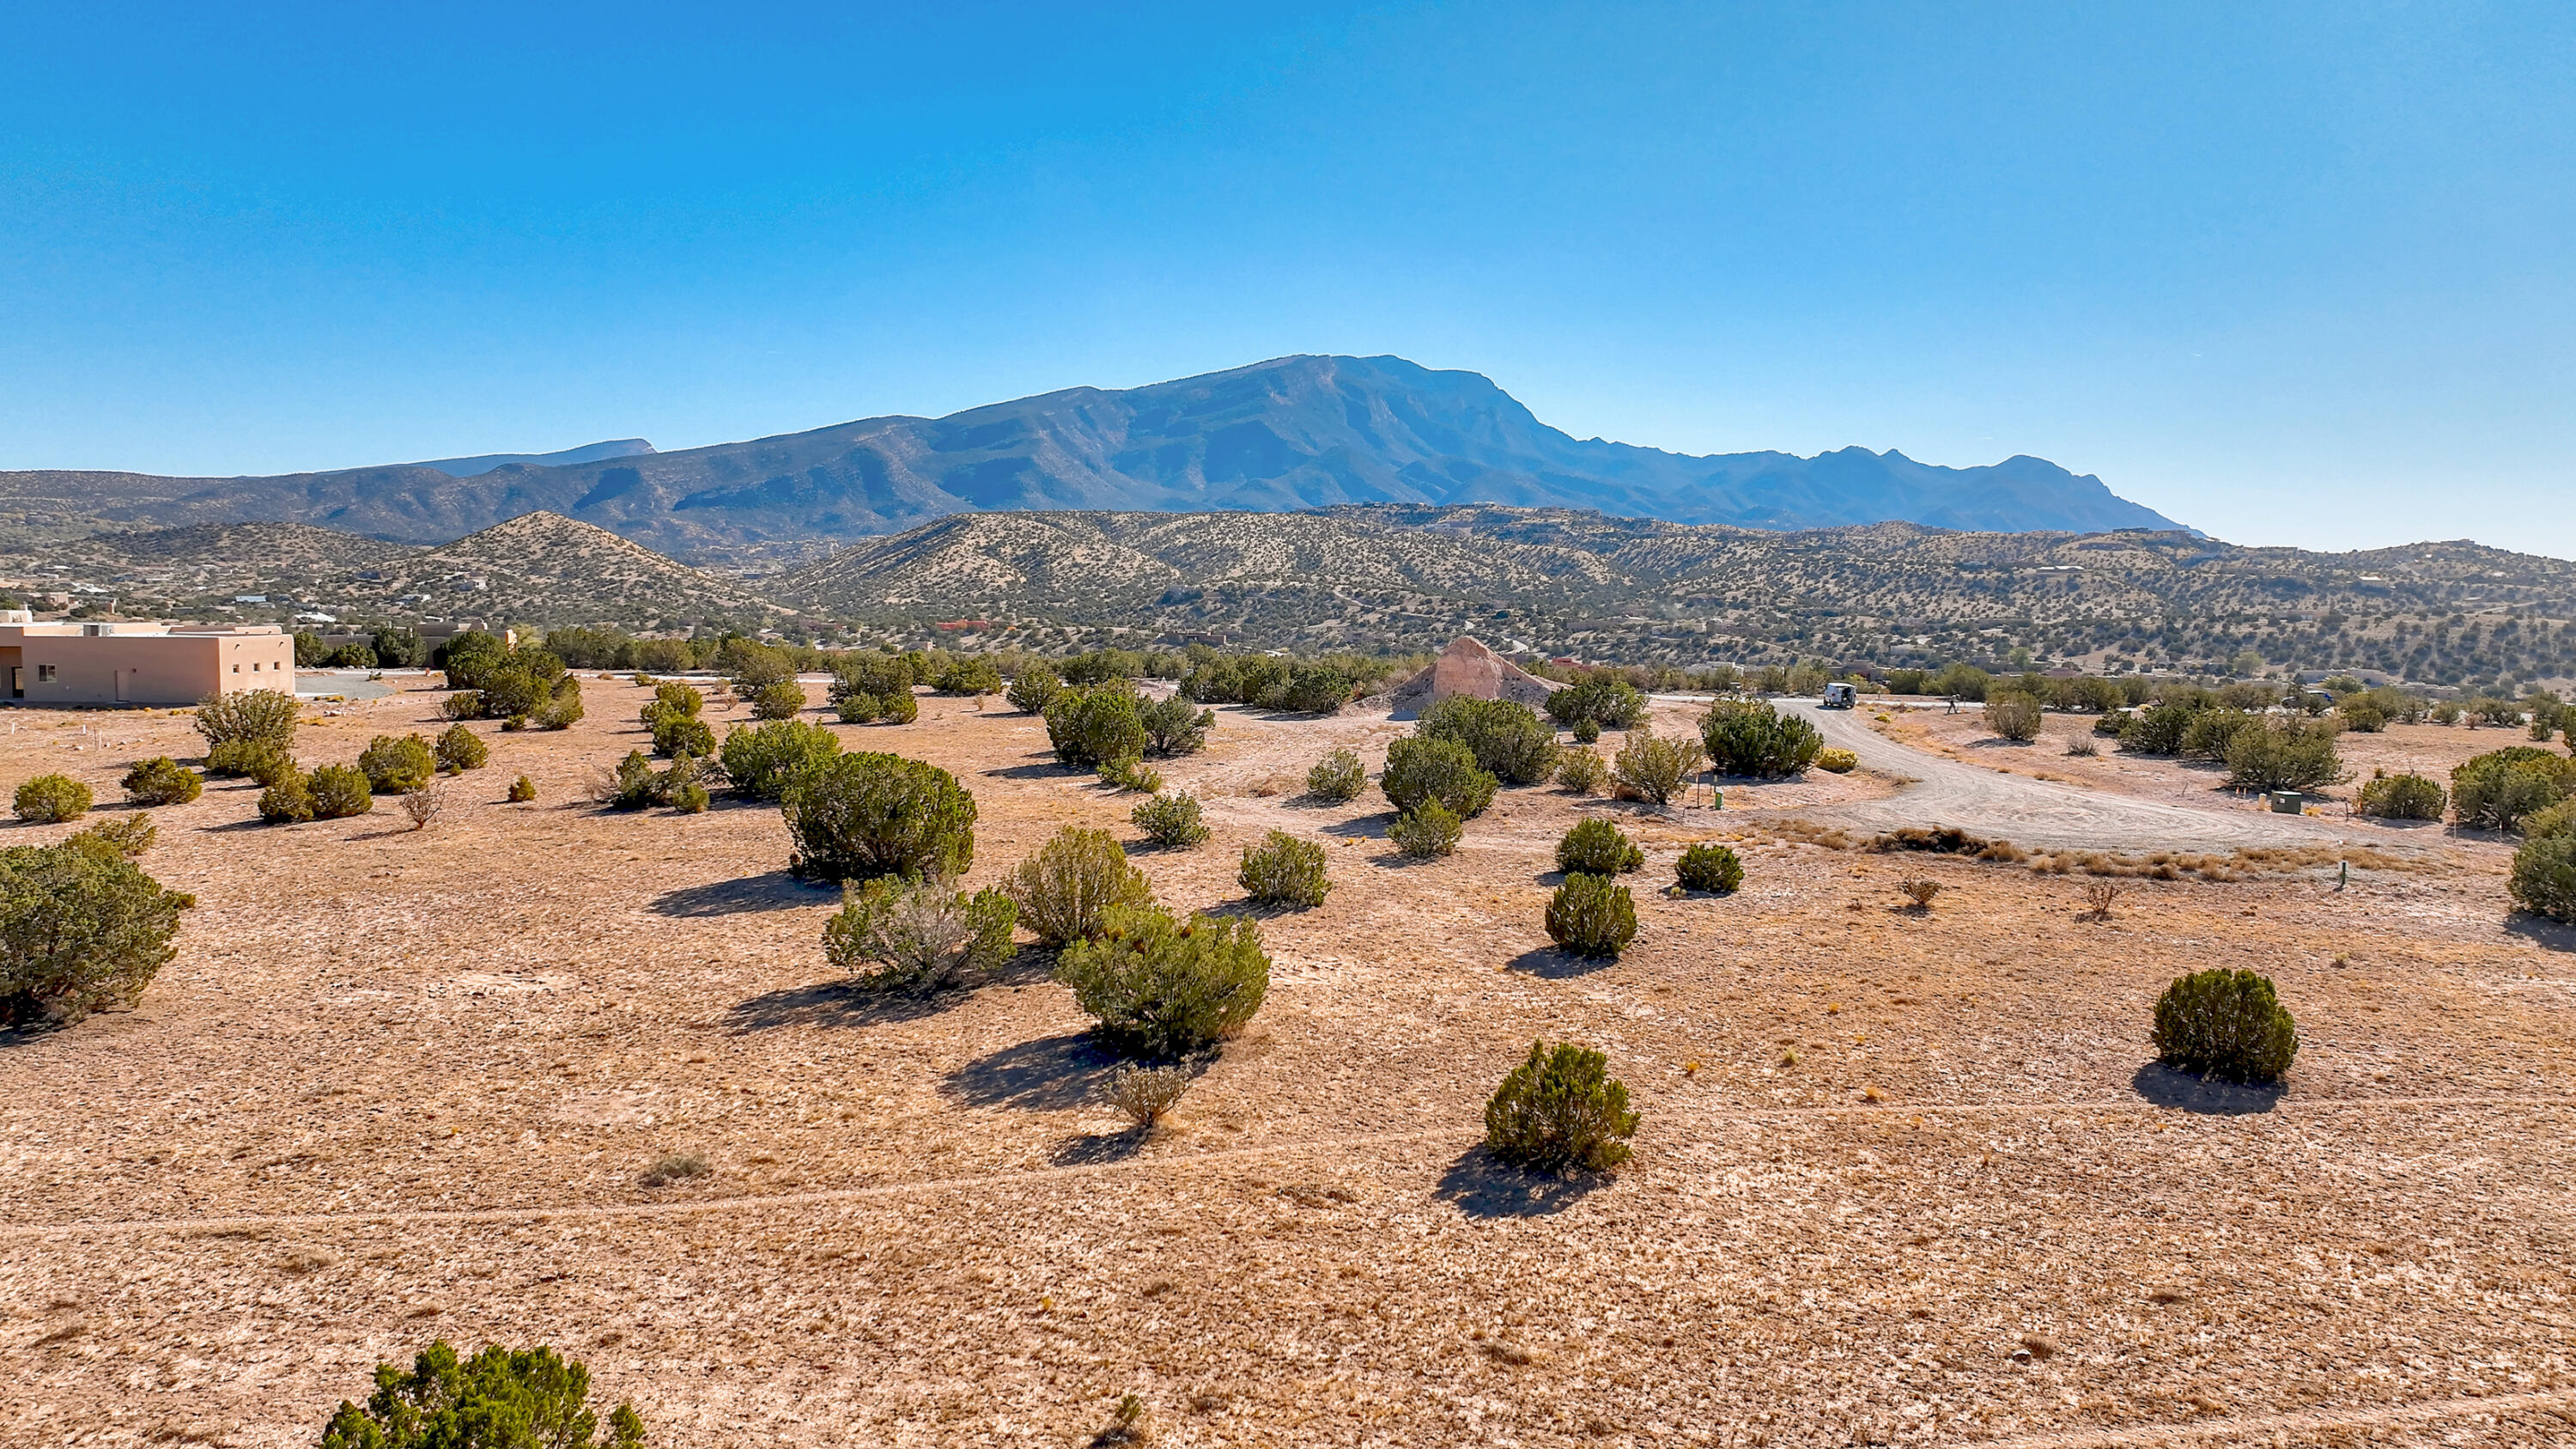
(88,663)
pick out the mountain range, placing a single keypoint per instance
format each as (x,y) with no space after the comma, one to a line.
(1291,433)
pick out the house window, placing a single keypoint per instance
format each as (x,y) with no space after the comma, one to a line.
(44,674)
(254,666)
(236,669)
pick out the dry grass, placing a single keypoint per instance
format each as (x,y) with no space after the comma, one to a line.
(417,1079)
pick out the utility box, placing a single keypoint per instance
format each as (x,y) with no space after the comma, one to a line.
(2287,802)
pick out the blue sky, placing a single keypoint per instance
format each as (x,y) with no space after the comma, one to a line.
(2294,274)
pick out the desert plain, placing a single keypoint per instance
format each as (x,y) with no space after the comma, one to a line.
(1904,1176)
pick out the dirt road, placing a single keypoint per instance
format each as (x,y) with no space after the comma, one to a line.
(2042,815)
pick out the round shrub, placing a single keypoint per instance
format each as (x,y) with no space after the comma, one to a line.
(460,748)
(496,1398)
(1175,726)
(562,709)
(1598,700)
(2014,716)
(1170,820)
(1444,770)
(899,707)
(1133,775)
(762,760)
(1582,772)
(2284,755)
(242,757)
(522,790)
(1166,989)
(854,708)
(1507,739)
(683,734)
(463,704)
(1750,739)
(2225,1024)
(1711,868)
(2402,797)
(1587,732)
(670,700)
(2362,716)
(80,929)
(48,799)
(1837,762)
(858,816)
(162,781)
(1653,769)
(251,714)
(2158,729)
(914,935)
(973,677)
(1337,777)
(2497,789)
(1091,726)
(1283,870)
(2544,876)
(1589,916)
(1036,684)
(397,766)
(1066,889)
(340,791)
(689,798)
(287,802)
(778,699)
(1426,830)
(128,837)
(2211,731)
(1560,1111)
(1597,847)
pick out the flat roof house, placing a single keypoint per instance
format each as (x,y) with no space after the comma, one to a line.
(84,663)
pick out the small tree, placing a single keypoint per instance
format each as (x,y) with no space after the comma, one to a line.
(1506,739)
(858,816)
(778,699)
(2013,715)
(2227,1024)
(51,799)
(1560,1111)
(683,734)
(1092,726)
(1598,700)
(915,935)
(2543,880)
(1427,830)
(397,766)
(460,749)
(497,1399)
(1175,726)
(1165,989)
(974,676)
(1066,889)
(1589,916)
(424,805)
(2284,756)
(2402,797)
(1653,769)
(1036,685)
(1443,770)
(80,929)
(162,781)
(1597,847)
(1711,868)
(763,760)
(340,791)
(2497,789)
(253,714)
(1749,738)
(1283,870)
(1170,820)
(1582,772)
(1337,777)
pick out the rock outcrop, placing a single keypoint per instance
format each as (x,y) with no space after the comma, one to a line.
(1468,667)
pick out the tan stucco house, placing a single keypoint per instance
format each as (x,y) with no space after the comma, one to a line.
(85,663)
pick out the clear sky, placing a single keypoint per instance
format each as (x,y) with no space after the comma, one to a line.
(2290,273)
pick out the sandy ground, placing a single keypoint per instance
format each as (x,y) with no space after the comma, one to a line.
(400,1085)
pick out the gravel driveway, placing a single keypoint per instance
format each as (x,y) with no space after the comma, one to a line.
(2040,814)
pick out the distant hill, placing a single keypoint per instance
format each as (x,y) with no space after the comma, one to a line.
(1293,433)
(586,453)
(544,568)
(1564,582)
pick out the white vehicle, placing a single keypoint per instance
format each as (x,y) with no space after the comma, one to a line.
(1841,696)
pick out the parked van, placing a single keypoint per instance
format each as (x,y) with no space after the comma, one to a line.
(1841,696)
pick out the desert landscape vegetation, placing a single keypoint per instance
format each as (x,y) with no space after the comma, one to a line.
(965,1048)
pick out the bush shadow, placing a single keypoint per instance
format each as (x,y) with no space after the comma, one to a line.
(1092,1149)
(1550,964)
(1361,827)
(1481,1187)
(2207,1096)
(1047,771)
(1051,1074)
(773,891)
(2541,931)
(829,1003)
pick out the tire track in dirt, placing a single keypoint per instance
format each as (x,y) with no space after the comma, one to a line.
(2253,1428)
(758,1202)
